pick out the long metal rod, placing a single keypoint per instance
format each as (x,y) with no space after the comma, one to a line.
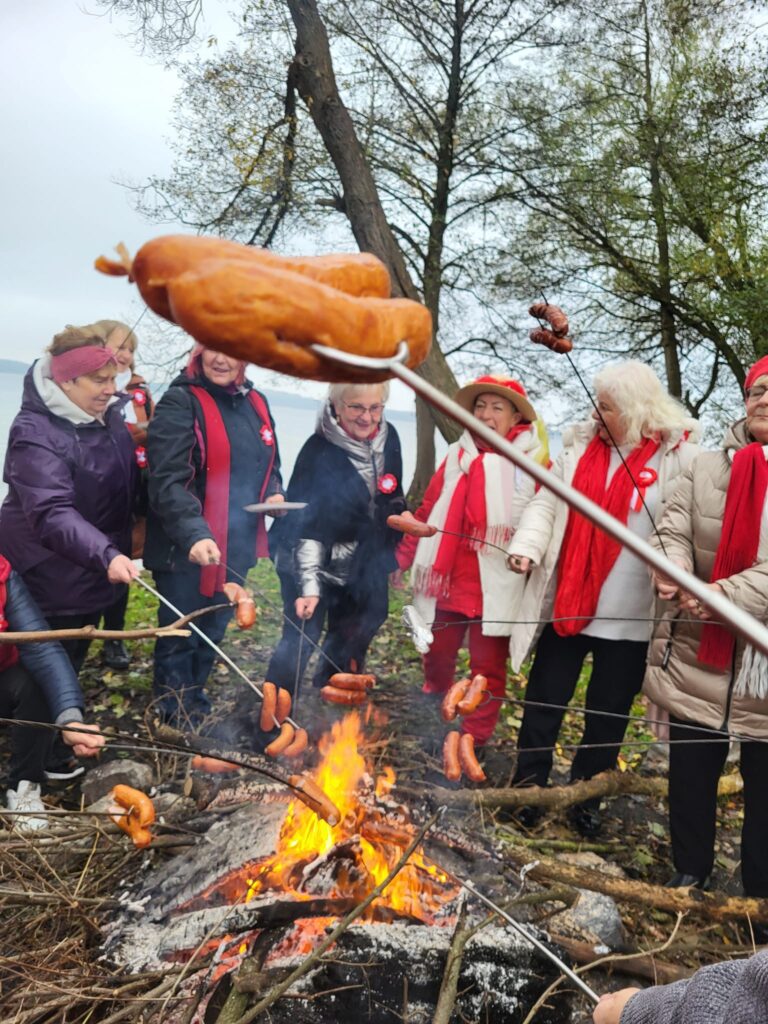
(740,621)
(529,937)
(224,657)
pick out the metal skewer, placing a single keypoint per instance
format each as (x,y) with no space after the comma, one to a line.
(740,621)
(224,657)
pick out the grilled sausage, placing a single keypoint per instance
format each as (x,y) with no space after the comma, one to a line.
(451,766)
(543,337)
(315,798)
(283,708)
(282,742)
(245,609)
(141,814)
(212,764)
(467,759)
(268,707)
(409,524)
(556,318)
(298,746)
(352,681)
(471,700)
(335,695)
(451,700)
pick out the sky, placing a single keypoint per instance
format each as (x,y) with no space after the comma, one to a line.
(81,111)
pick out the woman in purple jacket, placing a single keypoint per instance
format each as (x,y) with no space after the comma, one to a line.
(65,524)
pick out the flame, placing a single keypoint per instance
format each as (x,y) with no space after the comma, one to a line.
(373,841)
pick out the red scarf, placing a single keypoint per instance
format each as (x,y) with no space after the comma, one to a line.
(9,654)
(467,514)
(739,539)
(215,454)
(588,554)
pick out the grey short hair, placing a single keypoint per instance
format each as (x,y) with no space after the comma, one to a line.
(345,391)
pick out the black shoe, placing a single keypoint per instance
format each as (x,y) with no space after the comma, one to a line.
(525,817)
(682,881)
(587,821)
(115,655)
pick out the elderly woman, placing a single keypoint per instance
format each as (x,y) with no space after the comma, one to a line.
(137,412)
(698,671)
(211,451)
(628,459)
(65,524)
(460,580)
(334,558)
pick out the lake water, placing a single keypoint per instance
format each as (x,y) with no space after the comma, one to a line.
(294,425)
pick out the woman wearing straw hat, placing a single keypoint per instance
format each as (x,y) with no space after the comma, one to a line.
(460,582)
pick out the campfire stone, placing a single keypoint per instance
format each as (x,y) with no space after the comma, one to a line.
(102,778)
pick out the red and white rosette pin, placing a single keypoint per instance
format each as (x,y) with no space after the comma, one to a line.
(141,456)
(645,478)
(138,397)
(388,484)
(267,435)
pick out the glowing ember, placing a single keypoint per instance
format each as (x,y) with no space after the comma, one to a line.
(348,860)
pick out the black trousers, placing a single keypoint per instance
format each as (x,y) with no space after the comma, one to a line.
(694,771)
(22,698)
(76,649)
(618,667)
(114,616)
(352,622)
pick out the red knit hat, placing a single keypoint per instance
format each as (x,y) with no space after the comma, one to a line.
(497,384)
(758,369)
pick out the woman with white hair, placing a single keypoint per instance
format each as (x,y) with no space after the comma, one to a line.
(627,458)
(334,557)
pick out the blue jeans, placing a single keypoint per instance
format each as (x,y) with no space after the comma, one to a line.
(183,664)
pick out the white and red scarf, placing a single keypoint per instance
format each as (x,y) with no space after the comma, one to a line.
(478,490)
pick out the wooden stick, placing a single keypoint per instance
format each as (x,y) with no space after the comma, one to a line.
(91,633)
(274,993)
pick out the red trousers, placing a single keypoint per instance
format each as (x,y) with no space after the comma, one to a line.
(487,657)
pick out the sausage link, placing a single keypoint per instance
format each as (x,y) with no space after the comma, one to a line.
(283,708)
(451,766)
(556,318)
(245,614)
(268,707)
(407,523)
(542,337)
(299,744)
(282,742)
(471,700)
(451,700)
(315,798)
(467,759)
(212,764)
(141,814)
(334,695)
(352,681)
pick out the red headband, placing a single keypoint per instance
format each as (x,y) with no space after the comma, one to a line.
(76,362)
(758,369)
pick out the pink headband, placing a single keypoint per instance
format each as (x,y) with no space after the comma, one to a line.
(76,362)
(758,369)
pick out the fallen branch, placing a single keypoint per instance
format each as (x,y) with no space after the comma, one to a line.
(274,994)
(557,798)
(91,633)
(640,965)
(449,986)
(674,901)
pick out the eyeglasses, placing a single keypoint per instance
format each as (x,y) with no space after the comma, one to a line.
(755,394)
(360,410)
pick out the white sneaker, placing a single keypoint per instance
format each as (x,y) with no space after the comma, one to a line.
(26,797)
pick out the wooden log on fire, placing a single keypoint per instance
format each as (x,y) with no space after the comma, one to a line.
(713,906)
(557,798)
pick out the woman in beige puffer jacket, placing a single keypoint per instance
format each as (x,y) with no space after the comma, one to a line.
(697,692)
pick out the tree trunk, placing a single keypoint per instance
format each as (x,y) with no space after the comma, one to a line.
(425,452)
(317,86)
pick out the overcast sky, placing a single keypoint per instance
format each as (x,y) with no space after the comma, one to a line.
(81,110)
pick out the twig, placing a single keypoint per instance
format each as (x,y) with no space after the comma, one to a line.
(91,633)
(446,999)
(612,958)
(274,994)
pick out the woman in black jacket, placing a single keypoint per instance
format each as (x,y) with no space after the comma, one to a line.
(211,451)
(334,558)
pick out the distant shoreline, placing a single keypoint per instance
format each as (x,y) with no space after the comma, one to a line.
(13,366)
